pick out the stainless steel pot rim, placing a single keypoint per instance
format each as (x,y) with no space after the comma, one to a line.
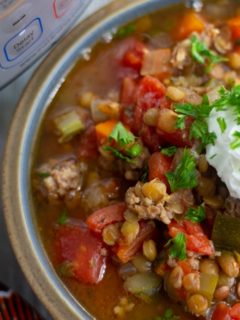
(20,145)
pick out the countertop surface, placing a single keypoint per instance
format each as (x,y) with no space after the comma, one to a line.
(10,272)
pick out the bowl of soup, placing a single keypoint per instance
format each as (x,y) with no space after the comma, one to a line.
(121,172)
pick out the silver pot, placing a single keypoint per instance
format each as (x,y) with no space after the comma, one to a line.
(17,198)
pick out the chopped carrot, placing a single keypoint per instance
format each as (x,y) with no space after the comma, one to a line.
(234,25)
(190,22)
(104,129)
(185,265)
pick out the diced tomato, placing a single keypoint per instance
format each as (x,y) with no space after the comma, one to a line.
(105,216)
(134,56)
(221,312)
(190,22)
(174,228)
(235,311)
(192,227)
(76,245)
(128,91)
(128,100)
(234,24)
(88,148)
(150,138)
(199,243)
(125,252)
(196,240)
(126,116)
(179,138)
(149,94)
(159,165)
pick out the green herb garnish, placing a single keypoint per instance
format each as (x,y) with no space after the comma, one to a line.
(43,175)
(199,127)
(63,217)
(126,148)
(229,99)
(66,269)
(185,174)
(117,153)
(236,142)
(168,315)
(222,124)
(144,176)
(196,215)
(213,156)
(169,152)
(177,246)
(180,123)
(121,135)
(201,53)
(125,31)
(135,150)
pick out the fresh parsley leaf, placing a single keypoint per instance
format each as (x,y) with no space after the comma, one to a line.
(201,53)
(229,99)
(185,174)
(63,217)
(196,111)
(213,156)
(125,31)
(43,174)
(177,246)
(199,130)
(222,124)
(168,315)
(196,215)
(121,135)
(180,123)
(186,109)
(135,150)
(117,153)
(236,142)
(199,127)
(169,152)
(144,176)
(66,269)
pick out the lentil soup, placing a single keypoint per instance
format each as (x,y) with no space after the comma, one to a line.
(135,178)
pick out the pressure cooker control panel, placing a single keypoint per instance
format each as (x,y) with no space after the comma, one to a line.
(28,28)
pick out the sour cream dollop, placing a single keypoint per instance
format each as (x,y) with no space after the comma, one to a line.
(221,156)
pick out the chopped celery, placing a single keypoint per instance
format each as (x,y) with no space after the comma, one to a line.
(68,125)
(208,284)
(143,285)
(226,231)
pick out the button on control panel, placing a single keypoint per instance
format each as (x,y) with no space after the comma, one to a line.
(60,7)
(23,40)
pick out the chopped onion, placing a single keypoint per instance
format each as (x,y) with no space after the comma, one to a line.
(142,264)
(126,270)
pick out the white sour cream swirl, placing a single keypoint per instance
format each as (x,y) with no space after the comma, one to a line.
(220,155)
